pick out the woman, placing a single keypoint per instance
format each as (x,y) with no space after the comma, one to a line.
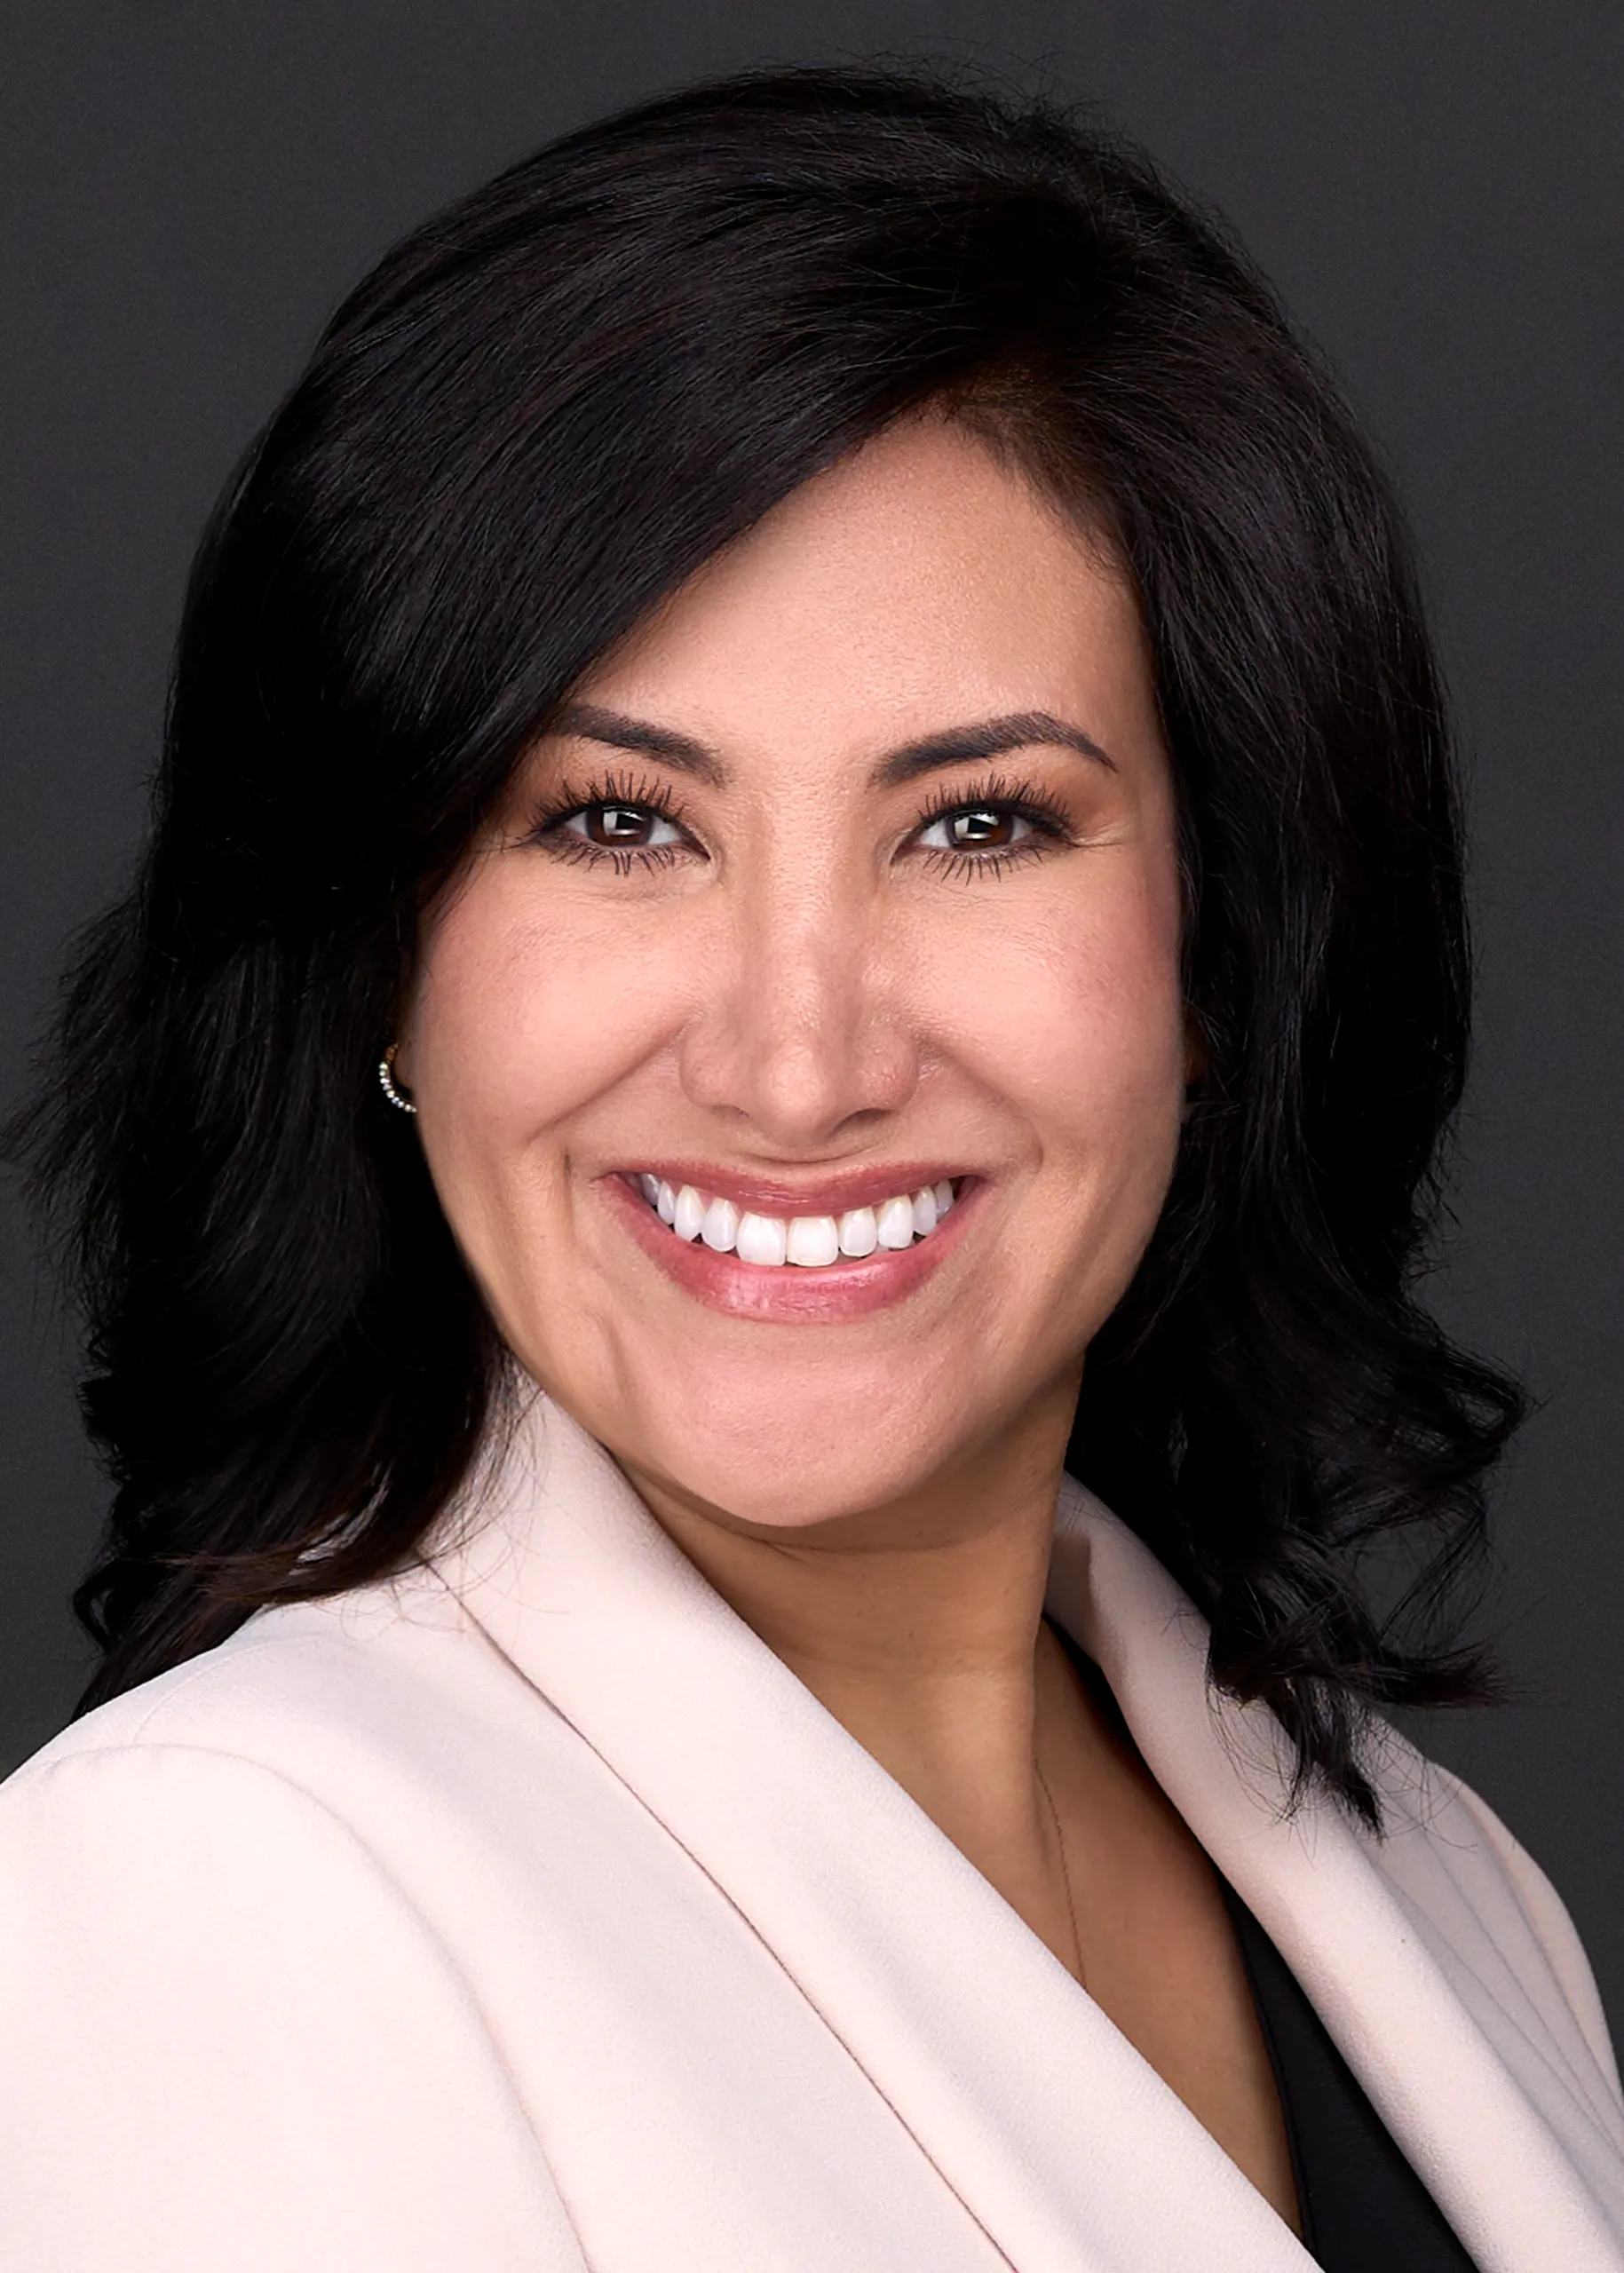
(803,909)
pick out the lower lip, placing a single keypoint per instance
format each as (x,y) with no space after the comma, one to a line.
(788,1294)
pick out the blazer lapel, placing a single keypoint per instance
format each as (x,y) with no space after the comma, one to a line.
(1058,2139)
(1503,2112)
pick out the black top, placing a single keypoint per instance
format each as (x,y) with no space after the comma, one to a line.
(1361,2207)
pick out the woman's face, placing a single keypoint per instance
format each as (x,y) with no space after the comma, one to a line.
(850,878)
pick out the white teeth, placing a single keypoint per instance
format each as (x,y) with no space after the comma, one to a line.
(720,1227)
(894,1223)
(761,1238)
(812,1240)
(857,1235)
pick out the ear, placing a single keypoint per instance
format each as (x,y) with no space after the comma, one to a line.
(402,1036)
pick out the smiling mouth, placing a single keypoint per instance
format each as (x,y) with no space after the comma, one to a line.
(795,1242)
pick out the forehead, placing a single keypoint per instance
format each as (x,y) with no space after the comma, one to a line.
(919,579)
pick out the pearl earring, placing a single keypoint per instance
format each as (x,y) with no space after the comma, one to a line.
(387,1080)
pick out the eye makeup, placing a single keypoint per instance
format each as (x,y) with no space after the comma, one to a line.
(599,820)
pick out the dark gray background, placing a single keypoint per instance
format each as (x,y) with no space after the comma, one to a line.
(1437,190)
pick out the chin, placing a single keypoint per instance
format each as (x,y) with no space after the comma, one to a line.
(786,1462)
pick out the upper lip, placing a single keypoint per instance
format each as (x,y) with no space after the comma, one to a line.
(830,1195)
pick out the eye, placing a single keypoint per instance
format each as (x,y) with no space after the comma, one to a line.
(976,828)
(613,826)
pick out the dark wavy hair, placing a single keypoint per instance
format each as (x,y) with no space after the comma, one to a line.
(541,412)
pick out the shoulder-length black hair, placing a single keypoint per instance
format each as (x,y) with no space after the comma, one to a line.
(541,412)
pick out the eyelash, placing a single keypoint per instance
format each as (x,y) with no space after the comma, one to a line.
(648,795)
(1020,800)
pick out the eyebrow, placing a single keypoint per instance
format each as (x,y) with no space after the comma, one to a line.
(988,738)
(953,746)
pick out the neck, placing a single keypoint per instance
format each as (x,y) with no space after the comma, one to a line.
(919,1626)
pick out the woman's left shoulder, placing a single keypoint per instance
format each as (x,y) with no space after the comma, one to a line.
(1459,1868)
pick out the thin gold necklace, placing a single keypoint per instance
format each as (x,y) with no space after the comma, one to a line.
(1066,1876)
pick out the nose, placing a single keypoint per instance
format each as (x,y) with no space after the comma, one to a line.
(800,1039)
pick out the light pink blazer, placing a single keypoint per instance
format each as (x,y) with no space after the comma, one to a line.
(527,1912)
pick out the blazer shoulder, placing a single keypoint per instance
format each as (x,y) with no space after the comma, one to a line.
(384,1668)
(1454,1860)
(198,1962)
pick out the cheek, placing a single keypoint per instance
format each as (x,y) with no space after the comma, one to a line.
(1078,1019)
(518,1020)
